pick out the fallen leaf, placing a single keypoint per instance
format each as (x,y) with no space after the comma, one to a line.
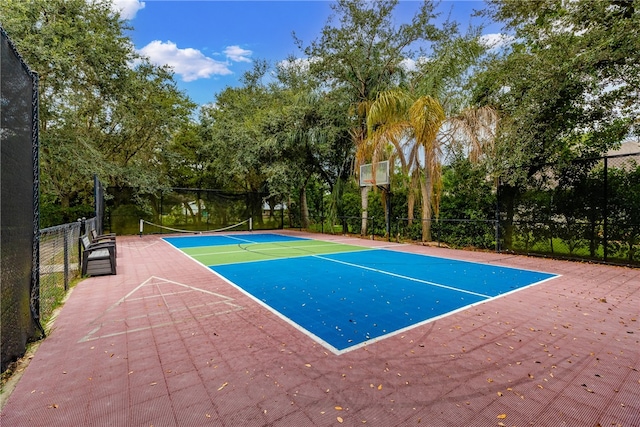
(338,408)
(340,420)
(207,415)
(223,386)
(153,383)
(380,387)
(502,416)
(308,365)
(500,393)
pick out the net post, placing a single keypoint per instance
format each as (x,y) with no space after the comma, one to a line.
(250,224)
(141,226)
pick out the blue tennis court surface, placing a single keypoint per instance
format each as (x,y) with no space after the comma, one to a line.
(221,240)
(345,299)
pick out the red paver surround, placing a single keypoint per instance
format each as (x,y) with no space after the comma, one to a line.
(166,342)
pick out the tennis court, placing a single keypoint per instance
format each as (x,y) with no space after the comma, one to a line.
(345,296)
(166,342)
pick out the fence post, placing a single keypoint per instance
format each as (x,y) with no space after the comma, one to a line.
(605,210)
(81,221)
(66,259)
(498,248)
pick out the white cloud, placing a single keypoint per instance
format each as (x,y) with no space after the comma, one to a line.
(496,41)
(189,63)
(412,65)
(301,64)
(408,64)
(127,8)
(237,54)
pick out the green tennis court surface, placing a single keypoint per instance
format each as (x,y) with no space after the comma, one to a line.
(345,296)
(249,252)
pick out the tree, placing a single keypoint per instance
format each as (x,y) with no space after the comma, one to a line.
(566,88)
(412,119)
(411,125)
(98,113)
(363,55)
(278,136)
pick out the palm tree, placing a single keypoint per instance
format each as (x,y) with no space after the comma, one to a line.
(418,129)
(411,125)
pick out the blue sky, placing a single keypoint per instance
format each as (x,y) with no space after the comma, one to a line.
(211,43)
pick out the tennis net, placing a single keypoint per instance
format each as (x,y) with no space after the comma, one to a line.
(147,227)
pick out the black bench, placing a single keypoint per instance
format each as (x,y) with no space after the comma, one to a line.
(97,258)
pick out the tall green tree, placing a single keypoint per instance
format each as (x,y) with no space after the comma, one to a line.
(411,124)
(362,54)
(99,114)
(315,140)
(414,121)
(275,137)
(567,87)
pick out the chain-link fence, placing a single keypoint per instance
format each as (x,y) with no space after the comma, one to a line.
(191,210)
(60,262)
(589,209)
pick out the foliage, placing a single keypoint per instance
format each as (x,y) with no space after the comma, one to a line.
(411,125)
(566,87)
(103,110)
(363,56)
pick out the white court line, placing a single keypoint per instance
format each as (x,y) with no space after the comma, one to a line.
(237,238)
(157,282)
(413,279)
(371,341)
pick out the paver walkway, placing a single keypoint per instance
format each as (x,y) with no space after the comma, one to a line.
(166,342)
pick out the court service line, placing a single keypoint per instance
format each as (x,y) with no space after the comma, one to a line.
(413,279)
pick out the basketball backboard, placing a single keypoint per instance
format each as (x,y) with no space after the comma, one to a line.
(381,174)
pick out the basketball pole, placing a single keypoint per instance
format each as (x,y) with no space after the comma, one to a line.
(387,214)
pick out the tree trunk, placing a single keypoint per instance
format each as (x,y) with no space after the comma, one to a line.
(304,208)
(507,197)
(411,203)
(364,193)
(426,185)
